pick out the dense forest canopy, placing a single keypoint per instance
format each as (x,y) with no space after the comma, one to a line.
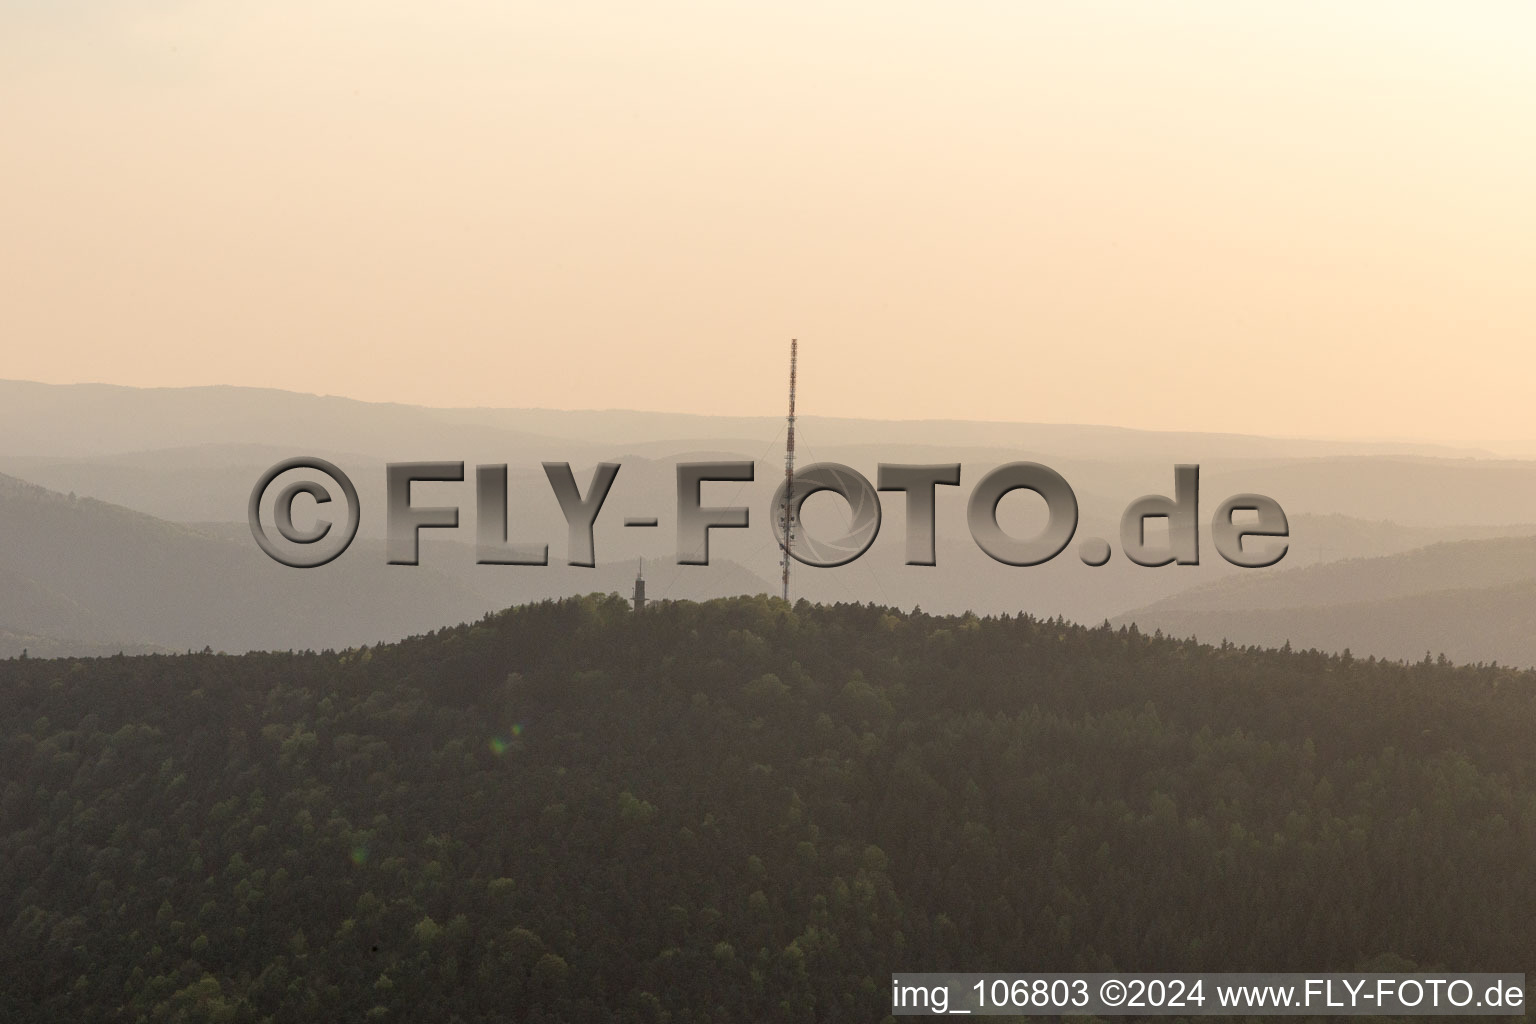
(740,811)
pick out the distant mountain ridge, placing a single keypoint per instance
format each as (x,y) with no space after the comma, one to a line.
(1471,600)
(97,419)
(84,577)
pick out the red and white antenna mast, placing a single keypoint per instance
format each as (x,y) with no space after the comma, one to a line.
(786,518)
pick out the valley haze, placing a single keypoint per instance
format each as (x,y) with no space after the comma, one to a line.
(155,481)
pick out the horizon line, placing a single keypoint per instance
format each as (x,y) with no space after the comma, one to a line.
(1456,443)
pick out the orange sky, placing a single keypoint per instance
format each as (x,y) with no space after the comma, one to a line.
(1305,219)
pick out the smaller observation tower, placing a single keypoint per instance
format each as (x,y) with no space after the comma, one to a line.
(640,586)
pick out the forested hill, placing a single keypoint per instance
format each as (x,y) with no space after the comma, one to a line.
(739,811)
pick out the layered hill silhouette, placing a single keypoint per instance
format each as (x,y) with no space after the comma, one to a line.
(86,577)
(191,577)
(80,576)
(1469,600)
(96,419)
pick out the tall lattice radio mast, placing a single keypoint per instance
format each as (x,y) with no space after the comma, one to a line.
(786,518)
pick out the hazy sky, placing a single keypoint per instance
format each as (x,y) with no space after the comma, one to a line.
(1307,219)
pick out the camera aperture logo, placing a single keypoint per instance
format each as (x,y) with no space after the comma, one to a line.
(325,540)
